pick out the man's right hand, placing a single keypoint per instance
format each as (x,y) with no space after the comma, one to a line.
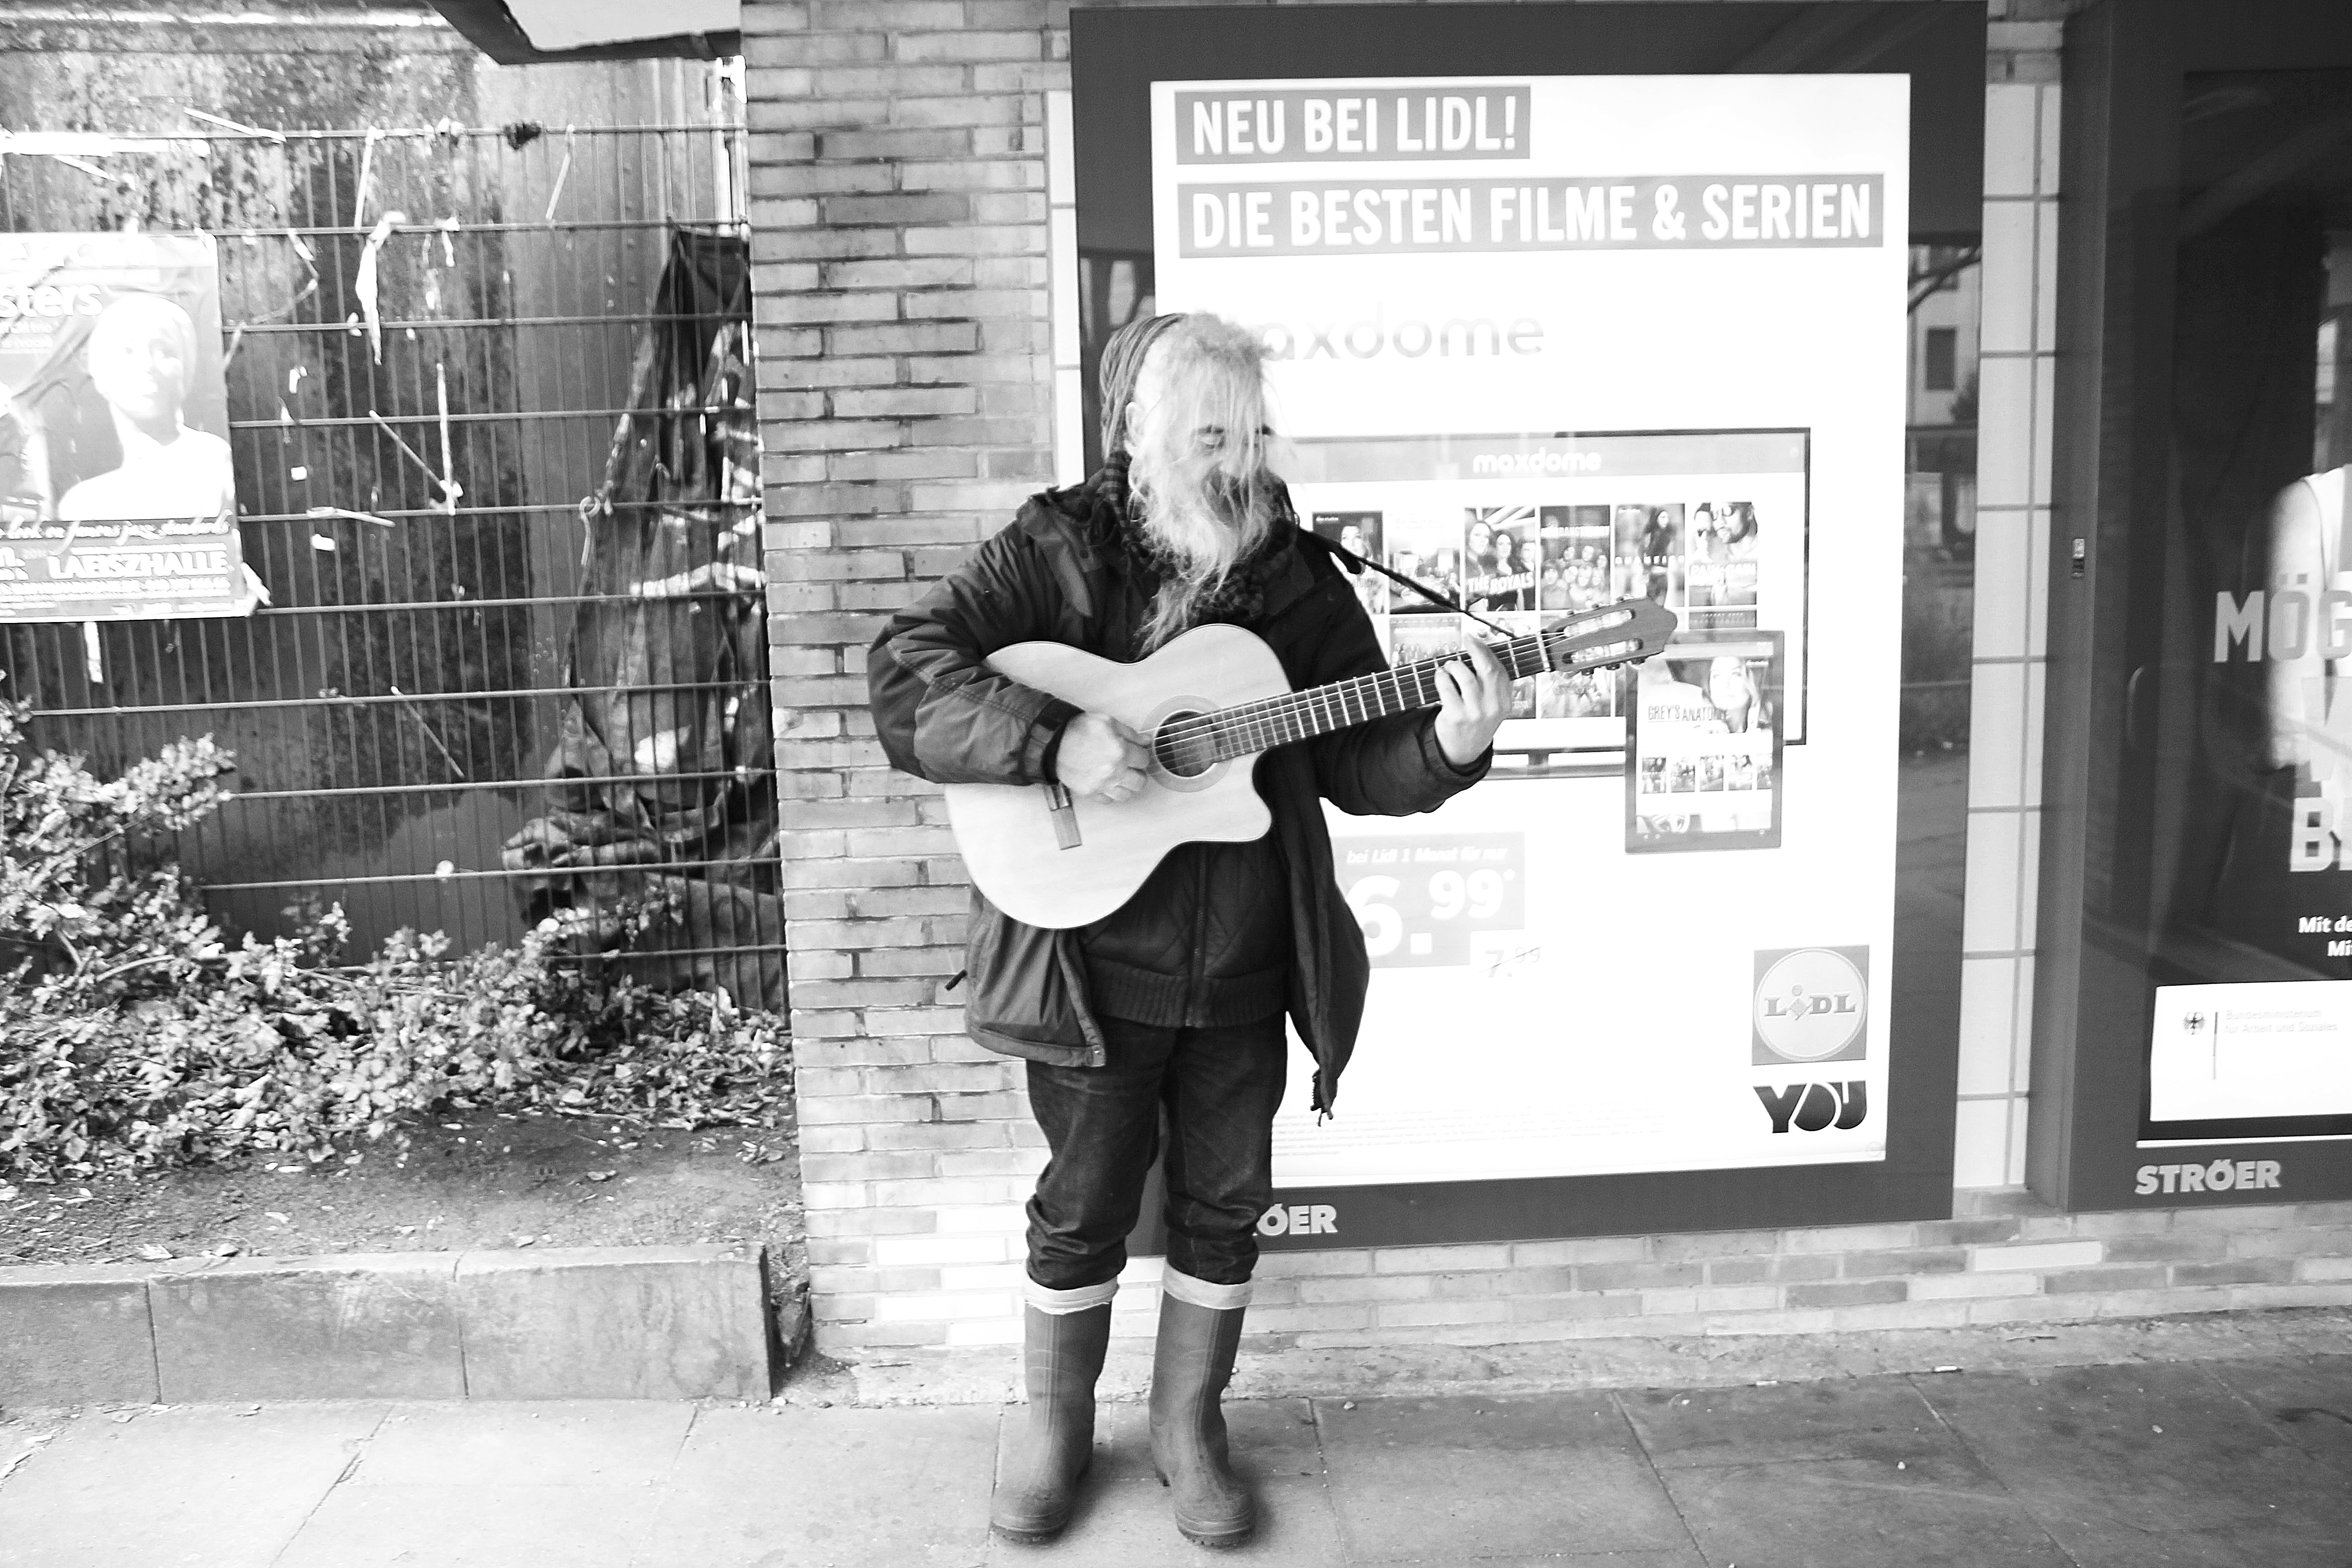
(1101,757)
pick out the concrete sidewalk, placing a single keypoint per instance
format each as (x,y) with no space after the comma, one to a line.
(2203,1465)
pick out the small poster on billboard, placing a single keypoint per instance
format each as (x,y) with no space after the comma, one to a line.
(117,497)
(1703,745)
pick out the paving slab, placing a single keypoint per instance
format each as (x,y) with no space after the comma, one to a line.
(1941,1510)
(2151,1467)
(2308,1402)
(1880,1418)
(2049,1470)
(495,1526)
(528,1443)
(1124,1515)
(202,1488)
(1440,1480)
(769,1486)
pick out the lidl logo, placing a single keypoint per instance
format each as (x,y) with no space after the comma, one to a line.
(1812,1004)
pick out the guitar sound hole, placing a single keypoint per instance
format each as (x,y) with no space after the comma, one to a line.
(1184,747)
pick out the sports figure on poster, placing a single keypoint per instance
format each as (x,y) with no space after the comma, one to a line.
(1175,1004)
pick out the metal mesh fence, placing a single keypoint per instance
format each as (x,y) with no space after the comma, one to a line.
(487,679)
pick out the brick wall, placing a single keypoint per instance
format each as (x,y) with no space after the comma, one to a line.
(2003,1260)
(902,273)
(899,256)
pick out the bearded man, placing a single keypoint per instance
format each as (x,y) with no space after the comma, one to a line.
(1176,1002)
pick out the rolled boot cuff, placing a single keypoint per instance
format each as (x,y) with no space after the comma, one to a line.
(1056,1303)
(1201,1293)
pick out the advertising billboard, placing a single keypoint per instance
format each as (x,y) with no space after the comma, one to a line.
(1540,342)
(117,499)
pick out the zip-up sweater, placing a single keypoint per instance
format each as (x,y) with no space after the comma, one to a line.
(1058,573)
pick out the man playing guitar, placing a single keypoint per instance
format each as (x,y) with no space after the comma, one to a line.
(1176,1001)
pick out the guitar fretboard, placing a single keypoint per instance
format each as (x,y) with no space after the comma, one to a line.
(1260,726)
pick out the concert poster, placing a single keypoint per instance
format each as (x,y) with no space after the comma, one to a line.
(117,498)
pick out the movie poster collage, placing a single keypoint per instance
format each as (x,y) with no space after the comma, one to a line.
(1524,566)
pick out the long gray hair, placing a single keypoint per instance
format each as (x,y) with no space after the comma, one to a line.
(1201,484)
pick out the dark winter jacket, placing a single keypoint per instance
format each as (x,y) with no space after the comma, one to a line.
(1058,573)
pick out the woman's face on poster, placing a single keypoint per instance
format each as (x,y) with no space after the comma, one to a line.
(138,362)
(1727,686)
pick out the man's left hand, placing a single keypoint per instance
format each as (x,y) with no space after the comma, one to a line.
(1476,699)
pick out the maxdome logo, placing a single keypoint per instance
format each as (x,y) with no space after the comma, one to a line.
(1375,335)
(1812,1004)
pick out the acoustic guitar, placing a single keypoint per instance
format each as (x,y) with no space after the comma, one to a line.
(1205,705)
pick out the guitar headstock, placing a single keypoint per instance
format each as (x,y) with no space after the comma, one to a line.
(1622,633)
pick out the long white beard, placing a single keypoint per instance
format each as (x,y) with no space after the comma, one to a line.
(1206,535)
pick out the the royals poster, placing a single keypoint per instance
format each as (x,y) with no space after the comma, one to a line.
(1539,344)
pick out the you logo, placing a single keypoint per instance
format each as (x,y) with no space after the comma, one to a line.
(1810,1107)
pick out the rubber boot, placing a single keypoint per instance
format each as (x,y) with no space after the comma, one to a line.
(1190,1368)
(1061,1357)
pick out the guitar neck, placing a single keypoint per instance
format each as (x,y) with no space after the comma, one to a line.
(1320,709)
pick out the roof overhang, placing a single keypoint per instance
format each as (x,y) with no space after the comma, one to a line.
(530,32)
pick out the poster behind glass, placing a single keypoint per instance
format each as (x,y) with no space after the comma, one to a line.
(1539,344)
(2250,1030)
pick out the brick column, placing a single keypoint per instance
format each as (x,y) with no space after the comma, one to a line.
(900,246)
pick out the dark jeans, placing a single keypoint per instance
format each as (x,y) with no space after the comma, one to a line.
(1220,1087)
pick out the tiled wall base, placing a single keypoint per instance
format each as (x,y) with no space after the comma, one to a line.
(2005,1259)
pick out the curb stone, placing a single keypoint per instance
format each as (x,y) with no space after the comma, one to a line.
(606,1322)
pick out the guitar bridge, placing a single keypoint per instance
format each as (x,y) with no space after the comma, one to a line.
(1065,813)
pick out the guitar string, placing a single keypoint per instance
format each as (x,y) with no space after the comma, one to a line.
(1264,723)
(1269,708)
(1267,713)
(1336,706)
(1608,620)
(1275,708)
(1268,719)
